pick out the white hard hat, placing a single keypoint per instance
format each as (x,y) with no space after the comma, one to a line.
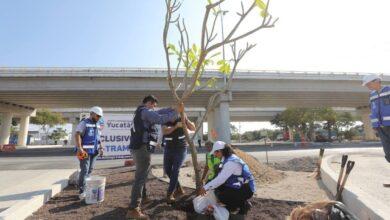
(218,145)
(97,110)
(370,78)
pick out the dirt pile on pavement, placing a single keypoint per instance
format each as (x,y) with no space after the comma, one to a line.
(304,164)
(66,204)
(262,173)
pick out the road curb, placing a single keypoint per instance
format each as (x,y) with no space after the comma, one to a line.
(363,205)
(25,208)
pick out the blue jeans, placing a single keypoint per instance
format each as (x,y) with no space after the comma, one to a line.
(86,167)
(173,159)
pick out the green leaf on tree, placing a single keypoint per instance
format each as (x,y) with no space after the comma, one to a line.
(224,67)
(260,4)
(211,82)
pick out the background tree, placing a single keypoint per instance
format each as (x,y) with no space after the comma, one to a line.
(191,60)
(343,120)
(235,135)
(47,119)
(330,117)
(305,121)
(58,134)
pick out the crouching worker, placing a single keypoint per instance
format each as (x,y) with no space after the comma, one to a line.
(212,164)
(175,152)
(234,184)
(88,146)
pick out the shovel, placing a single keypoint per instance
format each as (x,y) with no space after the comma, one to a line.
(350,166)
(343,162)
(318,171)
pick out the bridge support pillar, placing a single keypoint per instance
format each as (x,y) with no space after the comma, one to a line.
(74,122)
(23,131)
(222,118)
(369,133)
(5,131)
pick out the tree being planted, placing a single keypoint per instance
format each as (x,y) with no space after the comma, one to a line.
(185,73)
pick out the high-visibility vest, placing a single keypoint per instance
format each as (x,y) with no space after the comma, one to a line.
(91,137)
(176,138)
(212,163)
(246,177)
(380,107)
(138,129)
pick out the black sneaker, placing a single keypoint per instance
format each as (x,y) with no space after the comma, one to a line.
(245,208)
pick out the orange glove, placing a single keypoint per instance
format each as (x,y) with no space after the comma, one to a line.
(82,155)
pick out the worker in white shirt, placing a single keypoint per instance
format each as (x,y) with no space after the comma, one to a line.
(234,184)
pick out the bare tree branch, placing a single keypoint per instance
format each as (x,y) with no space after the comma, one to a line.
(242,18)
(168,18)
(212,36)
(201,57)
(266,23)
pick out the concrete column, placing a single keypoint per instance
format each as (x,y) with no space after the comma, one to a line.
(74,122)
(210,125)
(222,118)
(5,131)
(23,131)
(369,133)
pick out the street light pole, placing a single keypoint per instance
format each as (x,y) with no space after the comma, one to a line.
(223,46)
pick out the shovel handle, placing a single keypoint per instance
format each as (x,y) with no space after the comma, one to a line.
(350,166)
(344,160)
(322,150)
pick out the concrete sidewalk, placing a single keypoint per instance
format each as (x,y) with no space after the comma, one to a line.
(364,193)
(24,191)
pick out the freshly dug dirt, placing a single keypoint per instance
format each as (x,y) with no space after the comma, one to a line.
(66,205)
(303,164)
(263,174)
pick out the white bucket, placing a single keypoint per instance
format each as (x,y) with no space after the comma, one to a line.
(95,186)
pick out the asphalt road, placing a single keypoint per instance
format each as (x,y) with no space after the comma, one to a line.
(63,158)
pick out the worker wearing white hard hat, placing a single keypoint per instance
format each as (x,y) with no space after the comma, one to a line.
(370,78)
(97,110)
(88,145)
(380,111)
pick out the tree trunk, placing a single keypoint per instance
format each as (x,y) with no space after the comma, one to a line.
(194,153)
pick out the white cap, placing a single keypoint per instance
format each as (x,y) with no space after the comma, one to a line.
(370,78)
(218,145)
(97,110)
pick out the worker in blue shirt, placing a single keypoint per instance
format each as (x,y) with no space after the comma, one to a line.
(143,140)
(380,111)
(88,146)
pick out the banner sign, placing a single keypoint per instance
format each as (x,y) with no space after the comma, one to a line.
(115,136)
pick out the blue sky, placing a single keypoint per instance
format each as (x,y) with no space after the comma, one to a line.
(321,35)
(82,33)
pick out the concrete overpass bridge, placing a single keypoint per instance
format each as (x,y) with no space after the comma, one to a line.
(125,87)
